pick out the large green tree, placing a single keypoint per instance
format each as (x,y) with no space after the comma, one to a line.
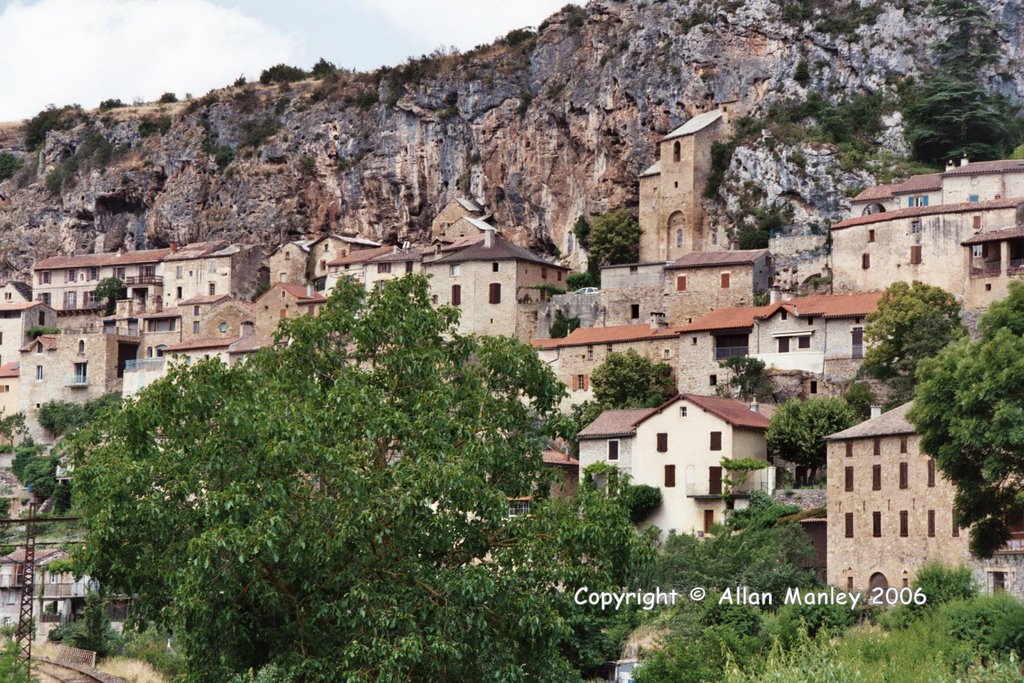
(614,238)
(629,380)
(111,289)
(968,409)
(339,506)
(912,322)
(798,429)
(952,112)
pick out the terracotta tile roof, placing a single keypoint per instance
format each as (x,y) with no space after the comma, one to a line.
(890,422)
(500,250)
(834,305)
(980,167)
(1005,203)
(585,336)
(196,250)
(919,183)
(49,343)
(208,299)
(707,259)
(616,423)
(250,343)
(20,305)
(995,235)
(11,369)
(300,292)
(360,256)
(173,312)
(875,193)
(202,344)
(729,318)
(737,413)
(41,556)
(399,255)
(104,259)
(552,457)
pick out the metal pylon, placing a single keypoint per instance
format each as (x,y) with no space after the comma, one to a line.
(26,626)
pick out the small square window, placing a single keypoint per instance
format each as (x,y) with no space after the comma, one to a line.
(713,380)
(682,411)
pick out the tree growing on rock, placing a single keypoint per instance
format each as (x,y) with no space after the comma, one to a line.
(351,490)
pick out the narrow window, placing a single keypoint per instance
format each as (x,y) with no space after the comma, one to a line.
(682,411)
(494,267)
(670,476)
(803,342)
(590,353)
(725,280)
(681,283)
(814,386)
(456,295)
(976,223)
(849,449)
(931,472)
(849,524)
(634,311)
(915,254)
(613,449)
(876,524)
(849,478)
(494,293)
(716,441)
(713,380)
(876,477)
(871,235)
(865,261)
(903,444)
(904,476)
(783,344)
(904,523)
(676,151)
(849,579)
(878,446)
(931,524)
(662,442)
(956,528)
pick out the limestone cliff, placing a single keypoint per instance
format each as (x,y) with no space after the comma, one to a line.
(539,127)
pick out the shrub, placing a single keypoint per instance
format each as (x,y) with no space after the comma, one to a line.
(239,82)
(976,620)
(151,126)
(641,500)
(9,165)
(576,281)
(323,68)
(223,155)
(107,105)
(41,329)
(168,98)
(518,36)
(944,584)
(49,119)
(256,132)
(282,73)
(562,326)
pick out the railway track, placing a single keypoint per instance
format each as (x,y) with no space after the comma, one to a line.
(48,671)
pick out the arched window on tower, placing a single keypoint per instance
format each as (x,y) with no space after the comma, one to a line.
(676,149)
(679,238)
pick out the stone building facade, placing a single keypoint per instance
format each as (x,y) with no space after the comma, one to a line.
(386,267)
(672,221)
(10,388)
(210,269)
(302,262)
(498,286)
(285,301)
(679,448)
(16,319)
(455,210)
(890,511)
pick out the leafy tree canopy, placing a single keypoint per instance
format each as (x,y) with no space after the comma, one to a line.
(563,326)
(338,507)
(111,289)
(861,398)
(629,380)
(967,408)
(749,378)
(912,322)
(798,429)
(614,238)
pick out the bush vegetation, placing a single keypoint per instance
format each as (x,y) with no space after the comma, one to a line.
(9,165)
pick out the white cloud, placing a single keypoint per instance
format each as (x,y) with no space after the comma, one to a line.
(84,51)
(464,23)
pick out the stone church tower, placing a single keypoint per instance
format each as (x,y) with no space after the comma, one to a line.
(671,217)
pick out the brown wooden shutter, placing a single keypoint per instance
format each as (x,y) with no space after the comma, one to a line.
(681,283)
(876,477)
(456,295)
(931,523)
(865,261)
(716,441)
(903,444)
(662,443)
(876,524)
(849,478)
(494,293)
(613,450)
(915,254)
(849,449)
(725,280)
(878,446)
(904,523)
(670,476)
(849,525)
(904,475)
(783,344)
(931,472)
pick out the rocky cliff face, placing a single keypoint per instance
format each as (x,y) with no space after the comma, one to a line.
(539,127)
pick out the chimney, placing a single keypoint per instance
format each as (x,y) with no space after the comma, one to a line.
(963,160)
(488,239)
(950,165)
(658,321)
(754,408)
(875,411)
(774,296)
(174,247)
(309,289)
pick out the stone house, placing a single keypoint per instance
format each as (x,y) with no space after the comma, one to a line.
(498,285)
(399,262)
(67,282)
(302,262)
(574,358)
(208,269)
(890,511)
(453,212)
(74,366)
(60,597)
(10,398)
(353,265)
(672,220)
(217,316)
(16,319)
(282,301)
(567,473)
(679,448)
(14,291)
(822,334)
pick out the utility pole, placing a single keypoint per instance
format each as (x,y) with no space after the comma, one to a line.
(25,624)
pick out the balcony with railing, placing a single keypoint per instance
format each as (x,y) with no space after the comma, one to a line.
(742,486)
(76,381)
(986,269)
(136,280)
(143,364)
(1016,266)
(723,352)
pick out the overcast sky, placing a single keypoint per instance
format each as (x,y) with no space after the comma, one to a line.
(83,51)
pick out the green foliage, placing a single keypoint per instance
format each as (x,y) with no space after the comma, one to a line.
(111,289)
(92,631)
(629,380)
(967,410)
(107,105)
(562,326)
(168,98)
(802,72)
(749,378)
(641,500)
(944,584)
(913,321)
(38,330)
(519,36)
(267,674)
(95,151)
(154,126)
(9,165)
(282,73)
(49,119)
(323,68)
(24,453)
(61,417)
(581,228)
(951,113)
(223,155)
(256,132)
(347,490)
(614,238)
(721,156)
(150,645)
(39,474)
(576,281)
(798,429)
(12,669)
(861,398)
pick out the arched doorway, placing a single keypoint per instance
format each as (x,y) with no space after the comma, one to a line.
(873,209)
(878,580)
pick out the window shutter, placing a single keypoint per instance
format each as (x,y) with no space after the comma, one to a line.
(725,280)
(849,478)
(613,450)
(849,525)
(670,476)
(904,476)
(495,293)
(456,295)
(876,477)
(849,449)
(931,472)
(716,441)
(574,387)
(662,443)
(931,523)
(865,261)
(681,283)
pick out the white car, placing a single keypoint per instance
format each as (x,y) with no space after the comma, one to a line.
(587,290)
